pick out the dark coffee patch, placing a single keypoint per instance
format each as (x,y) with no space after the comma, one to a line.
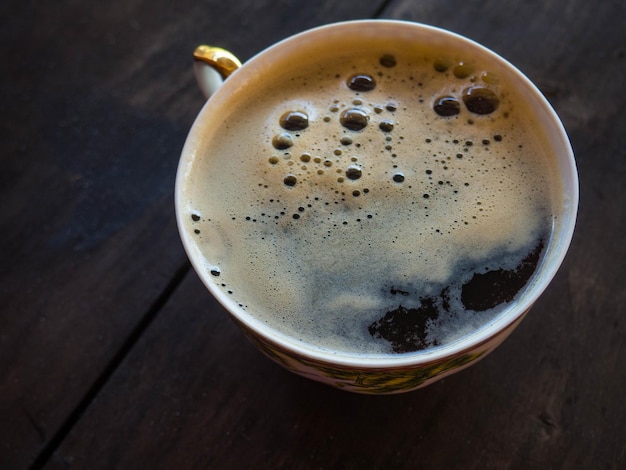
(407,328)
(395,291)
(488,290)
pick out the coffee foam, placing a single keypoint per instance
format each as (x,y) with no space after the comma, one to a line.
(320,231)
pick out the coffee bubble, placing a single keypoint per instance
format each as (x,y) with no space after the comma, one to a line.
(282,141)
(290,180)
(447,106)
(463,70)
(361,82)
(398,177)
(490,78)
(480,100)
(388,60)
(386,125)
(441,65)
(294,121)
(353,172)
(354,119)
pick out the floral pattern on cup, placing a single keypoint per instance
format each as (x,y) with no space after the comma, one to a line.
(378,381)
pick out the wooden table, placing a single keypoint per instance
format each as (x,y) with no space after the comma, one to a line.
(114,356)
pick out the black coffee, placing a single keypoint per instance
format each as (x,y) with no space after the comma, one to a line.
(375,203)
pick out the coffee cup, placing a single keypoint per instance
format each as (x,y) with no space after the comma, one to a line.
(377,204)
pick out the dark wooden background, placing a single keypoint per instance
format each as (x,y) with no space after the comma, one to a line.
(113,355)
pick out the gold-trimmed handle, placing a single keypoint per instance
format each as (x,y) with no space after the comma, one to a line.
(212,65)
(220,59)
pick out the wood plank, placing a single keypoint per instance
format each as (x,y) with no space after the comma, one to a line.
(97,100)
(194,394)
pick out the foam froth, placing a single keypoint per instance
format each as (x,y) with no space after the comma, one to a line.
(364,190)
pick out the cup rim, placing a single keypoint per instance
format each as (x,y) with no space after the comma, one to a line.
(552,259)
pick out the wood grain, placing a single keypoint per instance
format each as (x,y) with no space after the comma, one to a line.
(113,355)
(97,100)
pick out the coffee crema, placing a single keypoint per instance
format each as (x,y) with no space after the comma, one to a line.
(375,203)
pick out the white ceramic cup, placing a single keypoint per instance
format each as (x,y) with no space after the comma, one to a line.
(393,373)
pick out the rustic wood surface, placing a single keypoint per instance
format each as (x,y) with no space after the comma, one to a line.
(114,356)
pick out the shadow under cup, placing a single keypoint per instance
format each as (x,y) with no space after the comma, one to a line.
(376,374)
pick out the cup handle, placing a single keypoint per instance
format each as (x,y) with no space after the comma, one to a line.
(212,65)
